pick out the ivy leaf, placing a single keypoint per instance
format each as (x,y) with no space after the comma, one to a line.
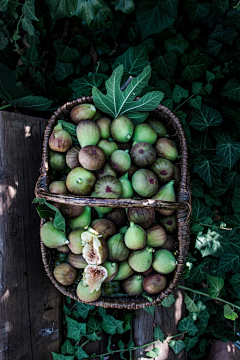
(232,90)
(126,6)
(177,346)
(61,357)
(83,309)
(109,345)
(31,57)
(200,212)
(236,200)
(205,117)
(83,86)
(209,244)
(209,76)
(134,60)
(168,301)
(150,310)
(216,284)
(209,169)
(190,342)
(199,272)
(187,324)
(81,354)
(213,47)
(3,40)
(103,17)
(67,348)
(196,102)
(65,53)
(218,188)
(190,304)
(153,17)
(87,9)
(153,353)
(177,46)
(28,10)
(229,35)
(93,337)
(111,326)
(197,88)
(27,25)
(63,70)
(235,281)
(229,261)
(75,330)
(229,313)
(38,78)
(228,149)
(221,6)
(197,11)
(165,64)
(93,324)
(195,65)
(231,179)
(158,334)
(3,5)
(208,88)
(233,221)
(179,93)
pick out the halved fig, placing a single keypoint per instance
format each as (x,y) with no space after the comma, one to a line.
(95,250)
(94,276)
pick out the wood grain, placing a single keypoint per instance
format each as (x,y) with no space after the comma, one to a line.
(30,305)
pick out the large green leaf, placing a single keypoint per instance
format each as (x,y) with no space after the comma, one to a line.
(83,85)
(221,6)
(196,10)
(228,149)
(209,168)
(32,102)
(232,89)
(205,117)
(88,9)
(3,5)
(215,285)
(195,65)
(229,261)
(165,64)
(65,53)
(134,60)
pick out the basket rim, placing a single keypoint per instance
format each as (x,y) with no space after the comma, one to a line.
(183,212)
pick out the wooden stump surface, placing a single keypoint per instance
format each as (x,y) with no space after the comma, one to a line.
(30,306)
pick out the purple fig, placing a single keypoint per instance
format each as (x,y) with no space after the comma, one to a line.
(164,170)
(77,261)
(169,244)
(91,157)
(169,223)
(153,284)
(71,211)
(108,187)
(117,216)
(106,170)
(141,216)
(60,140)
(72,157)
(104,227)
(82,112)
(143,154)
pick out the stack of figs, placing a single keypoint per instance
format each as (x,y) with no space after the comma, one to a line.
(108,251)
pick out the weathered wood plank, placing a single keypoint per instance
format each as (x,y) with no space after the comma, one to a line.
(30,305)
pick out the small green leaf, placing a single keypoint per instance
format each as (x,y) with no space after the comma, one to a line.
(196,10)
(28,9)
(228,149)
(190,342)
(93,324)
(221,6)
(153,353)
(229,313)
(216,284)
(83,309)
(190,305)
(209,76)
(75,330)
(187,324)
(80,353)
(235,281)
(177,346)
(168,301)
(158,334)
(213,47)
(67,348)
(229,261)
(46,210)
(65,53)
(209,168)
(109,345)
(111,326)
(61,357)
(150,309)
(197,88)
(179,93)
(63,70)
(232,90)
(196,102)
(197,188)
(3,5)
(195,65)
(27,25)
(165,64)
(199,272)
(93,337)
(209,244)
(208,88)
(126,6)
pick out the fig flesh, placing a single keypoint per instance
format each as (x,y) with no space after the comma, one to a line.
(65,274)
(104,227)
(121,129)
(82,112)
(145,182)
(164,261)
(134,285)
(82,221)
(120,160)
(88,133)
(141,260)
(84,294)
(153,284)
(165,193)
(60,140)
(104,126)
(95,250)
(58,187)
(143,154)
(75,241)
(164,170)
(52,237)
(135,237)
(108,187)
(144,133)
(72,157)
(77,261)
(141,216)
(166,149)
(112,269)
(80,181)
(117,250)
(91,157)
(124,271)
(57,160)
(156,235)
(94,276)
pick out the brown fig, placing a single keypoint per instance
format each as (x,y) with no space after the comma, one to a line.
(141,216)
(117,216)
(58,187)
(60,140)
(65,274)
(156,235)
(91,157)
(77,261)
(153,284)
(82,112)
(72,157)
(104,227)
(104,126)
(71,211)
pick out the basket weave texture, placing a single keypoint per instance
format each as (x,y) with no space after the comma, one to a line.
(182,206)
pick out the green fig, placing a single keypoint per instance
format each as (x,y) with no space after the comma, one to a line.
(117,250)
(124,271)
(135,237)
(145,182)
(126,187)
(164,169)
(94,276)
(88,133)
(82,112)
(65,274)
(156,235)
(77,261)
(112,269)
(104,126)
(106,170)
(123,229)
(144,132)
(164,261)
(97,115)
(122,129)
(80,181)
(108,147)
(120,160)
(60,140)
(165,193)
(153,284)
(143,154)
(160,129)
(72,157)
(141,260)
(91,157)
(134,285)
(84,294)
(52,237)
(75,241)
(81,221)
(166,149)
(57,160)
(104,227)
(169,223)
(111,288)
(58,187)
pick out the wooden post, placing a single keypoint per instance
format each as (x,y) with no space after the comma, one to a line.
(30,305)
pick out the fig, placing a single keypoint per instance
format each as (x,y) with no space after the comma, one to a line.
(133,285)
(97,115)
(121,129)
(165,193)
(65,274)
(72,157)
(52,237)
(145,182)
(144,132)
(60,140)
(104,126)
(95,250)
(117,250)
(106,170)
(160,129)
(120,160)
(123,229)
(169,223)
(124,271)
(58,187)
(141,216)
(112,269)
(82,112)
(104,227)
(94,276)
(77,261)
(57,160)
(153,284)
(82,221)
(88,133)
(124,146)
(80,181)
(108,187)
(71,211)
(166,149)
(91,157)
(169,243)
(133,168)
(84,294)
(111,287)
(141,260)
(126,187)
(156,235)
(75,241)
(64,249)
(108,147)
(143,154)
(101,210)
(117,216)
(163,168)
(176,175)
(164,261)
(135,237)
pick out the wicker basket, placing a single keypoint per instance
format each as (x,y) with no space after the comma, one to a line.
(182,206)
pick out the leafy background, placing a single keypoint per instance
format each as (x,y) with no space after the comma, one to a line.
(53,51)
